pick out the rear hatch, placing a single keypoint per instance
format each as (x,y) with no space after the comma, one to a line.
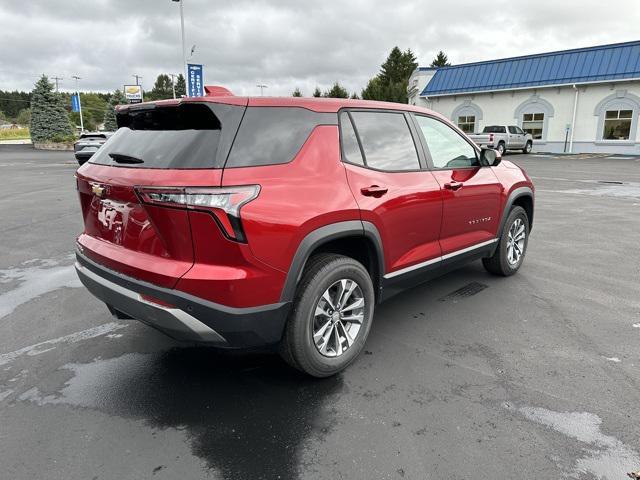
(160,148)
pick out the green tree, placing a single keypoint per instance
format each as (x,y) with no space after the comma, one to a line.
(117,98)
(337,91)
(354,96)
(296,93)
(441,60)
(317,92)
(181,86)
(49,120)
(162,89)
(390,85)
(24,117)
(12,102)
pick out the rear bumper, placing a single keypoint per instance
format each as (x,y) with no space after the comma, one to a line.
(183,316)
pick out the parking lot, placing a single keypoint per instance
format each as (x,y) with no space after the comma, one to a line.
(466,377)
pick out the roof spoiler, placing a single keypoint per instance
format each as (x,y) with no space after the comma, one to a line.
(217,91)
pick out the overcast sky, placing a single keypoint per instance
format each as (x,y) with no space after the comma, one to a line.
(285,43)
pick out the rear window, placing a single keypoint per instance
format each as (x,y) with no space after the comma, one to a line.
(494,129)
(274,135)
(183,137)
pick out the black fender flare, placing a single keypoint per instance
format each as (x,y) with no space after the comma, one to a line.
(325,234)
(515,194)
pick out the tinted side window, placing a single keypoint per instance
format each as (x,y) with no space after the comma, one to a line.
(386,141)
(274,135)
(513,130)
(447,148)
(350,149)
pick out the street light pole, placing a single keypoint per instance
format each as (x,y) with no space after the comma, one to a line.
(262,86)
(184,48)
(79,103)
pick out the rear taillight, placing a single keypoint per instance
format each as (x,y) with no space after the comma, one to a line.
(224,203)
(491,137)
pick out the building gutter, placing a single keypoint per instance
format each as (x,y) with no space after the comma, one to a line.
(573,119)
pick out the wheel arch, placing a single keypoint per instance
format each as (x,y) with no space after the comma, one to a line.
(522,197)
(346,238)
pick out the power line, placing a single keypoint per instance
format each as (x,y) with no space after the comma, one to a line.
(56,80)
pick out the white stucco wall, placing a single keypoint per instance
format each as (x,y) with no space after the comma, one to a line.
(500,108)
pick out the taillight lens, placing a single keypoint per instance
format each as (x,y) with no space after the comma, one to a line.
(491,137)
(222,202)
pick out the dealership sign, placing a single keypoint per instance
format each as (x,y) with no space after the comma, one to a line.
(195,84)
(133,93)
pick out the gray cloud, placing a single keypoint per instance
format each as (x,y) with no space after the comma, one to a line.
(285,44)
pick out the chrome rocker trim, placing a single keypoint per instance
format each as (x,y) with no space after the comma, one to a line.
(432,261)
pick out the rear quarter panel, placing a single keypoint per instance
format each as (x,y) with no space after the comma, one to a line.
(295,198)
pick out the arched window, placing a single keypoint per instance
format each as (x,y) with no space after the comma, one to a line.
(618,117)
(467,116)
(533,116)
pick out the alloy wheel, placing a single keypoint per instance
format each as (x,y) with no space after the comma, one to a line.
(515,242)
(338,317)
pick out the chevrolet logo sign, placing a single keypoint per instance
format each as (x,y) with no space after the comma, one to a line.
(98,190)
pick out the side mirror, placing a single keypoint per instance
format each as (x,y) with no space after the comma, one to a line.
(490,157)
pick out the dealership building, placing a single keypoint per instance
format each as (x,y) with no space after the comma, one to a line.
(582,100)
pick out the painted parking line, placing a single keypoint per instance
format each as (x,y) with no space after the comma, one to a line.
(48,345)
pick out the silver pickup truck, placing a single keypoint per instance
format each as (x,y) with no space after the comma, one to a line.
(503,138)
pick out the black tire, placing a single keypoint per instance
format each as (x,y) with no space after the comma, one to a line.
(498,264)
(297,347)
(501,148)
(527,148)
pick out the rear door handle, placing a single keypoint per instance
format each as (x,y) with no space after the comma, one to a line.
(374,191)
(453,185)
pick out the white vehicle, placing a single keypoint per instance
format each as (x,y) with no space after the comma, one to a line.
(503,138)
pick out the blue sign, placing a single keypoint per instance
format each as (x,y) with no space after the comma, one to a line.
(75,103)
(195,83)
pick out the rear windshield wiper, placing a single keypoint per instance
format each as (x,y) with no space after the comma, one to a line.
(124,158)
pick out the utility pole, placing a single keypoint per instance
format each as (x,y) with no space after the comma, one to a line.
(173,84)
(79,102)
(137,77)
(262,86)
(184,50)
(57,79)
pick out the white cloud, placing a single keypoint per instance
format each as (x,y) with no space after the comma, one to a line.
(285,43)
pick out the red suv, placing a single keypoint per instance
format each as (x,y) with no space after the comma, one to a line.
(245,222)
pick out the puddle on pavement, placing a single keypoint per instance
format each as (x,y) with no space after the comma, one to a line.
(606,457)
(248,416)
(33,279)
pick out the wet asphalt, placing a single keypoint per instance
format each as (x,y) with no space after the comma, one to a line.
(466,377)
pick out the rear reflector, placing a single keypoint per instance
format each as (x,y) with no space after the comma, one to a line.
(215,200)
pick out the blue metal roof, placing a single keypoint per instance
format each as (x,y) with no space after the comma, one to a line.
(593,64)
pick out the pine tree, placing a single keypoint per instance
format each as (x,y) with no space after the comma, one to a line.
(354,96)
(162,89)
(49,119)
(117,98)
(390,85)
(337,91)
(181,86)
(317,92)
(441,60)
(296,93)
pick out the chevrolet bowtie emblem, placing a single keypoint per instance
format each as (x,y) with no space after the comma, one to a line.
(98,190)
